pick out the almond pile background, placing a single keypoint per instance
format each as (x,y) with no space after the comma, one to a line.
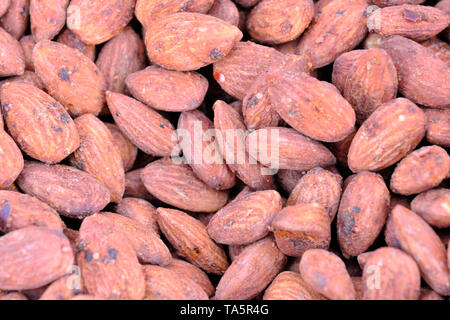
(94,93)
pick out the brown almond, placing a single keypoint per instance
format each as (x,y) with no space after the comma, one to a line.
(434,207)
(12,160)
(12,58)
(70,39)
(28,43)
(47,18)
(289,285)
(438,126)
(4,5)
(134,187)
(140,211)
(288,179)
(61,289)
(15,20)
(440,48)
(128,151)
(225,10)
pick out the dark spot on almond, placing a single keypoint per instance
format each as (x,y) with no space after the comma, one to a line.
(348,223)
(64,74)
(88,255)
(215,54)
(5,211)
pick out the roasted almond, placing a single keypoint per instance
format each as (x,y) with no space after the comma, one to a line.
(15,20)
(47,18)
(289,285)
(70,39)
(438,126)
(12,58)
(140,211)
(28,43)
(12,160)
(128,151)
(225,10)
(434,207)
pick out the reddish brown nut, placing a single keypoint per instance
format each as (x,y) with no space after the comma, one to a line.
(47,18)
(12,160)
(12,58)
(301,227)
(289,285)
(15,21)
(177,185)
(251,271)
(140,211)
(71,192)
(189,237)
(366,78)
(434,207)
(128,151)
(45,255)
(134,187)
(70,77)
(338,26)
(4,5)
(326,274)
(390,274)
(438,126)
(421,170)
(245,220)
(402,230)
(412,21)
(28,43)
(318,186)
(423,77)
(188,41)
(440,48)
(70,39)
(225,10)
(168,90)
(388,135)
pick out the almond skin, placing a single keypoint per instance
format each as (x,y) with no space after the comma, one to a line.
(301,227)
(39,124)
(70,77)
(98,22)
(362,213)
(188,41)
(108,262)
(12,163)
(45,255)
(338,26)
(189,237)
(398,276)
(28,43)
(177,185)
(288,179)
(245,220)
(4,5)
(285,148)
(128,151)
(70,39)
(423,77)
(275,21)
(418,23)
(206,162)
(12,58)
(225,10)
(60,290)
(326,273)
(366,78)
(440,48)
(99,156)
(15,21)
(312,107)
(251,271)
(289,285)
(19,211)
(438,126)
(140,211)
(318,186)
(47,18)
(168,90)
(134,186)
(69,191)
(388,135)
(165,284)
(402,230)
(388,3)
(433,206)
(146,128)
(421,170)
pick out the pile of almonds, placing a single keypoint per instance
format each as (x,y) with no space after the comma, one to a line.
(119,178)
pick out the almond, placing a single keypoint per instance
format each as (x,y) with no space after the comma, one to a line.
(28,77)
(140,211)
(289,285)
(12,58)
(288,179)
(60,289)
(134,187)
(387,3)
(440,48)
(4,5)
(15,21)
(225,10)
(438,126)
(28,43)
(128,151)
(12,159)
(433,206)
(70,39)
(47,18)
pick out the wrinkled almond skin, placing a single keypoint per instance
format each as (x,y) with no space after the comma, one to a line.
(146,128)
(188,41)
(69,191)
(423,169)
(99,156)
(362,213)
(440,48)
(366,78)
(301,227)
(15,21)
(245,220)
(128,151)
(418,23)
(207,165)
(338,26)
(47,18)
(177,185)
(289,285)
(318,186)
(100,21)
(61,289)
(275,21)
(434,207)
(388,3)
(251,271)
(165,284)
(423,77)
(285,148)
(232,147)
(19,211)
(312,107)
(402,230)
(326,273)
(109,265)
(12,160)
(168,90)
(38,123)
(70,39)
(189,237)
(399,276)
(388,135)
(70,77)
(438,126)
(134,186)
(45,255)
(12,58)
(192,272)
(28,43)
(140,211)
(225,10)
(288,179)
